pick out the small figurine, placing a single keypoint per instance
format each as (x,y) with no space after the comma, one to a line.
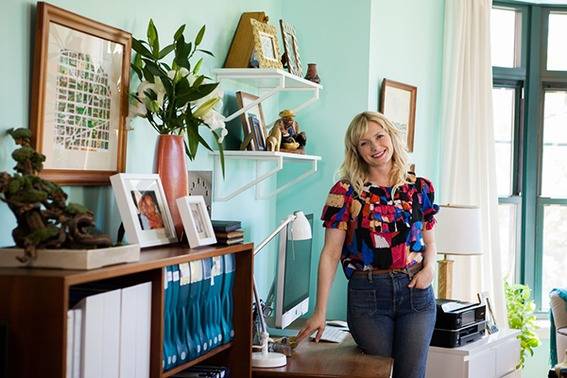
(274,139)
(291,137)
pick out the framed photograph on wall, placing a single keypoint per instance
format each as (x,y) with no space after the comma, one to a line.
(397,103)
(291,49)
(253,122)
(196,221)
(81,72)
(266,49)
(143,209)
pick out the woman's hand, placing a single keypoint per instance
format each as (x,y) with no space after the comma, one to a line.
(315,323)
(422,279)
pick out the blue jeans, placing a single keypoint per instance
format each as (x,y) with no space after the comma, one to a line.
(387,318)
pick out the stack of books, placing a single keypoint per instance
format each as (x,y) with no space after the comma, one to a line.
(228,232)
(206,371)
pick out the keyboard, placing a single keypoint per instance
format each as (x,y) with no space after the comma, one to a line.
(332,334)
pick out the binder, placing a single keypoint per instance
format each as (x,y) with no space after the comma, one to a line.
(181,311)
(135,324)
(101,335)
(188,337)
(227,298)
(77,342)
(215,299)
(206,301)
(175,334)
(195,324)
(69,349)
(168,352)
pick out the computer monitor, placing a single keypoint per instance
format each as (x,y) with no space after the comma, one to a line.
(293,277)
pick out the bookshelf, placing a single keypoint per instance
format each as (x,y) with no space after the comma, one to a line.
(34,304)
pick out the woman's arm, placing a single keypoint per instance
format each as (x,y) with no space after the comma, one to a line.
(425,276)
(330,255)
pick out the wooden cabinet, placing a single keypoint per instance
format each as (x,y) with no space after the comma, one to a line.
(34,304)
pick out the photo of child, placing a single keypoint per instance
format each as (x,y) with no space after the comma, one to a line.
(148,210)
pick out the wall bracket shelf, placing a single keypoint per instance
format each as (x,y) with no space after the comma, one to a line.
(258,156)
(271,81)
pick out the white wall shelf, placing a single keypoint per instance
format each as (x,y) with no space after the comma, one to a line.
(260,156)
(271,81)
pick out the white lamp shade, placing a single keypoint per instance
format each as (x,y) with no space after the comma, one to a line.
(300,227)
(458,230)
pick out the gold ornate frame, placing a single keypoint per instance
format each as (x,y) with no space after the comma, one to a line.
(291,49)
(261,31)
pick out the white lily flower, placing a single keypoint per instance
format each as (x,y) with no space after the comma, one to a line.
(157,87)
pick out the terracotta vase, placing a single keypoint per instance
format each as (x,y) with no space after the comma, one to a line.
(172,170)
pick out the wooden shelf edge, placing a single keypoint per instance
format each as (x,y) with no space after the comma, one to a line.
(196,361)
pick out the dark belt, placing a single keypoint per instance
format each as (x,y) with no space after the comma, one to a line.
(411,271)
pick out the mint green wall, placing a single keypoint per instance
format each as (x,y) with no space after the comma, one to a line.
(355,46)
(221,17)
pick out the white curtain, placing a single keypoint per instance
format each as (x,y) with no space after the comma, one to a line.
(468,175)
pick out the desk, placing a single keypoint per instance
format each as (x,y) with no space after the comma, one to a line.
(314,360)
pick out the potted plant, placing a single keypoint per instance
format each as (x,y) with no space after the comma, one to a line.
(521,316)
(177,101)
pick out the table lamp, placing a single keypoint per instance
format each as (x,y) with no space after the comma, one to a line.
(457,233)
(300,230)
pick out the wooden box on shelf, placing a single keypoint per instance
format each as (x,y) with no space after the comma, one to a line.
(34,305)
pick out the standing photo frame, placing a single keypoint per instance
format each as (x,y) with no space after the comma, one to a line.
(266,49)
(253,121)
(397,103)
(196,221)
(291,49)
(143,209)
(81,73)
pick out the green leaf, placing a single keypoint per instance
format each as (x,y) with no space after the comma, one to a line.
(198,81)
(141,49)
(206,52)
(221,151)
(193,137)
(166,50)
(197,67)
(200,35)
(138,71)
(179,32)
(148,75)
(153,38)
(198,92)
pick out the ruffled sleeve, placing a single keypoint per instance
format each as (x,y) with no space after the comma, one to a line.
(428,206)
(336,212)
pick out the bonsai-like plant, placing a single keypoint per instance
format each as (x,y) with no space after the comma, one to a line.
(175,98)
(44,219)
(521,316)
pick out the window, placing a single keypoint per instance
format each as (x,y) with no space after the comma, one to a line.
(530,133)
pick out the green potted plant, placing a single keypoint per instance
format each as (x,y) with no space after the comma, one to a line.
(521,316)
(178,102)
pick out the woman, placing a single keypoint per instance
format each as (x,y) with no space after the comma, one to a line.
(378,221)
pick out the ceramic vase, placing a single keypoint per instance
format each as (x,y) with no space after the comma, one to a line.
(172,170)
(312,74)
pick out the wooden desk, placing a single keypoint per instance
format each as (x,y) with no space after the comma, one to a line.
(315,360)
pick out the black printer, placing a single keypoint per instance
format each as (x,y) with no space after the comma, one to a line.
(458,323)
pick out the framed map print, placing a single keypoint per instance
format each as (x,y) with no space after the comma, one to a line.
(79,97)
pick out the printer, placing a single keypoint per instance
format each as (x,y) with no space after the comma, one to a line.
(458,323)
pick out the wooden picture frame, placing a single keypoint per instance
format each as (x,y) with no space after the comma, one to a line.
(143,209)
(253,121)
(196,221)
(81,73)
(291,49)
(266,49)
(242,45)
(397,103)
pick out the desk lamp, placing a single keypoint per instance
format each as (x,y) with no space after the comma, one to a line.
(300,230)
(457,233)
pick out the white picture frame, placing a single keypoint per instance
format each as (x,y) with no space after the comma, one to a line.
(143,209)
(196,221)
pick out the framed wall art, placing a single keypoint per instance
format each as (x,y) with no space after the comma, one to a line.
(253,122)
(397,103)
(143,209)
(196,221)
(81,72)
(266,49)
(291,49)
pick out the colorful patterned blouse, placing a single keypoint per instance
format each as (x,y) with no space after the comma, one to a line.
(381,233)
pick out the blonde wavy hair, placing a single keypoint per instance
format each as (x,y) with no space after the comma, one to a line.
(355,170)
